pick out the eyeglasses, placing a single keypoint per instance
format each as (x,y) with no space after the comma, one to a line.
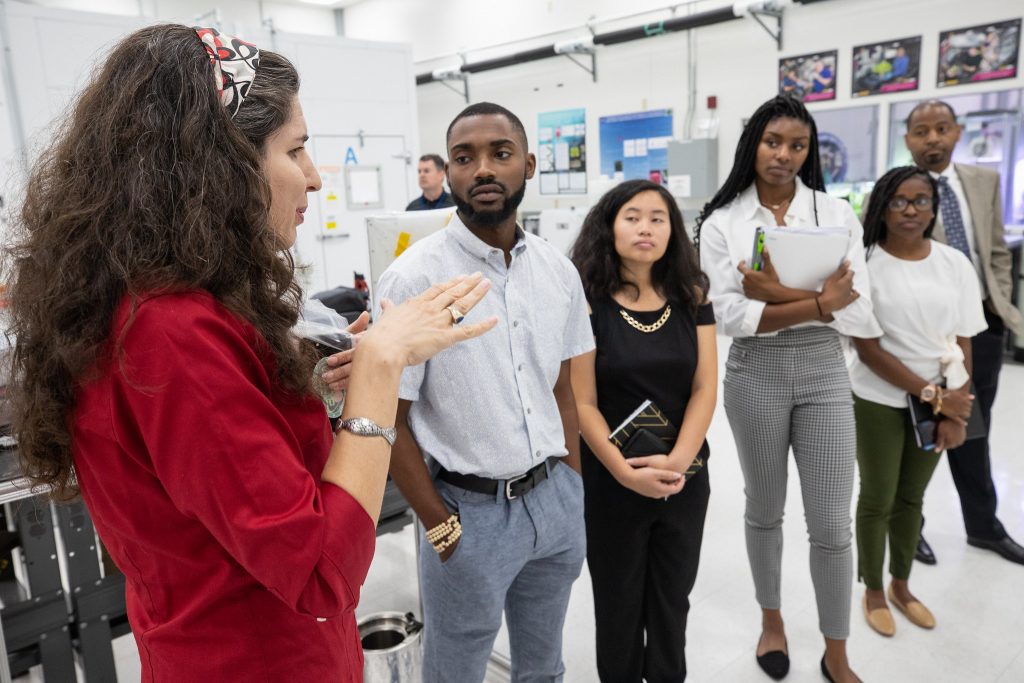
(900,203)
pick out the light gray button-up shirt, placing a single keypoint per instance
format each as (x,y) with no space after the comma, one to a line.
(486,406)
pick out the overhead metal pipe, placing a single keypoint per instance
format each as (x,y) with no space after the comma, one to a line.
(657,28)
(737,10)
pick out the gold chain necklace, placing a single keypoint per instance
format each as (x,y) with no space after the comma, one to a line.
(646,328)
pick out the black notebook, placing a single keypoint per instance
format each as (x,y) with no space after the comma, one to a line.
(648,432)
(924,419)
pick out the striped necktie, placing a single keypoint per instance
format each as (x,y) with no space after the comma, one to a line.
(952,219)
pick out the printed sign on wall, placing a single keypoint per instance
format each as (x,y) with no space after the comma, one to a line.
(562,151)
(892,66)
(811,78)
(635,145)
(980,53)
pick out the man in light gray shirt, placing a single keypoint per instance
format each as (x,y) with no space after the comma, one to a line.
(488,442)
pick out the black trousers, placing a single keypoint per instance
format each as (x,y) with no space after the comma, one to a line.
(970,464)
(643,556)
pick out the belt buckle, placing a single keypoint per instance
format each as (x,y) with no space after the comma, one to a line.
(516,480)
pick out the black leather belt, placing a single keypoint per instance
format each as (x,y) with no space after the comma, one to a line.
(513,488)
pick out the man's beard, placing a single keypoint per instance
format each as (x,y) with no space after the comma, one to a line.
(490,218)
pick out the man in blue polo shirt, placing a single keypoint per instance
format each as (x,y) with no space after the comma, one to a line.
(430,175)
(488,440)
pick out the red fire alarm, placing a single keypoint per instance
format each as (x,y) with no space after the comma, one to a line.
(712,102)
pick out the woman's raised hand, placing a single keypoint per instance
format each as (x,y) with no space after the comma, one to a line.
(414,331)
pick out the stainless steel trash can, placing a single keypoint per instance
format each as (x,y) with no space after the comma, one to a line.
(392,648)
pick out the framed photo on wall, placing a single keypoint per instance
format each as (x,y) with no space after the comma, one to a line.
(986,52)
(811,77)
(892,66)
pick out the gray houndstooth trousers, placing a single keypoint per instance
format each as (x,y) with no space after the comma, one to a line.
(793,389)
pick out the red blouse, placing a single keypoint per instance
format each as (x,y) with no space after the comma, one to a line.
(203,480)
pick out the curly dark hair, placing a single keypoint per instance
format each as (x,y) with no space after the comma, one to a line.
(148,186)
(676,275)
(878,204)
(743,173)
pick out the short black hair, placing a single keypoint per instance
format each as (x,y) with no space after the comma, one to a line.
(489,109)
(436,158)
(929,103)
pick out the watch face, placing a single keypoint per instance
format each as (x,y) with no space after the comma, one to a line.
(928,393)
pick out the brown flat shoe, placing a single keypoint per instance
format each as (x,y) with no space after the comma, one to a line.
(914,611)
(880,619)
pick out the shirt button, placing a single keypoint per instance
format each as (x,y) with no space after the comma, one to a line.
(321,620)
(529,412)
(537,454)
(515,323)
(520,368)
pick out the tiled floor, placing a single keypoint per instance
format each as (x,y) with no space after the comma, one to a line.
(977,597)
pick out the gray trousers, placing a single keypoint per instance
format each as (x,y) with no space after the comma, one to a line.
(519,557)
(793,390)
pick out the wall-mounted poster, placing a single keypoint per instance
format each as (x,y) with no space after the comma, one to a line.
(635,145)
(562,151)
(891,66)
(980,53)
(810,77)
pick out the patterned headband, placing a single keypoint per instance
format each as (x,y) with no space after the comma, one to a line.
(234,65)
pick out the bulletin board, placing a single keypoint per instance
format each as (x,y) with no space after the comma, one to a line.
(562,151)
(635,145)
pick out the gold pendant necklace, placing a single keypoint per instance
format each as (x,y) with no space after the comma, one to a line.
(775,207)
(646,328)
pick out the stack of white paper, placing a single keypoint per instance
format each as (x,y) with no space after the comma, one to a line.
(805,257)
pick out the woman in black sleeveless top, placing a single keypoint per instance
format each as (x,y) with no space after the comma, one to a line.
(655,339)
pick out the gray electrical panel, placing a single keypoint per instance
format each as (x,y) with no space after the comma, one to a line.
(693,168)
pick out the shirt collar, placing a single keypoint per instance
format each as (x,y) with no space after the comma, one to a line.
(749,203)
(476,246)
(949,173)
(440,198)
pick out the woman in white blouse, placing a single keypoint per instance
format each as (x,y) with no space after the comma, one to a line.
(928,302)
(786,383)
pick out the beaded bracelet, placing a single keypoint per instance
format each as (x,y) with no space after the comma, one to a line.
(441,546)
(445,533)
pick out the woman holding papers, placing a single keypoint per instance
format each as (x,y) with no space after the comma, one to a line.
(786,383)
(655,337)
(928,303)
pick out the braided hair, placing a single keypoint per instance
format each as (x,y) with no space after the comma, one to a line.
(885,188)
(743,173)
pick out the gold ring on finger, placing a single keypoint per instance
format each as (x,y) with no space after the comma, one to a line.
(457,315)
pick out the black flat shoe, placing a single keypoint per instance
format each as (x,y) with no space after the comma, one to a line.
(824,671)
(775,663)
(1006,547)
(924,553)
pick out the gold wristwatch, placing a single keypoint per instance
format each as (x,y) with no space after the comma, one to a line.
(928,393)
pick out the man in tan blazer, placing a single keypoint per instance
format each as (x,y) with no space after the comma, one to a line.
(971,220)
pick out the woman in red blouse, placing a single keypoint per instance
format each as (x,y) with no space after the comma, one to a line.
(152,298)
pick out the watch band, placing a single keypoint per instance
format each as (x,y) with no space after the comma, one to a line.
(364,426)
